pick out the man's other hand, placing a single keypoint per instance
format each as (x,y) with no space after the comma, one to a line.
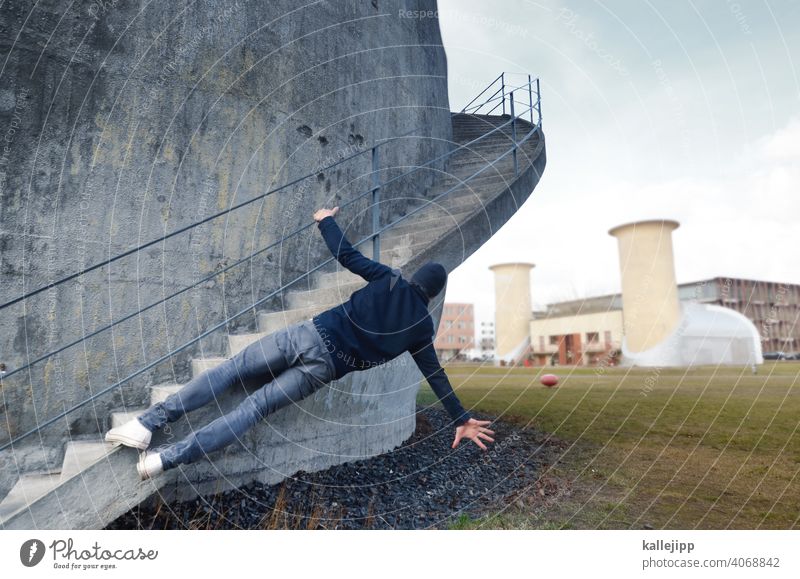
(474,430)
(323,213)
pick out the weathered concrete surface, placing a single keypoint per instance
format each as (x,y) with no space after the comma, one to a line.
(119,126)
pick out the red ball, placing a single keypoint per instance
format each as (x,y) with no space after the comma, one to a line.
(549,380)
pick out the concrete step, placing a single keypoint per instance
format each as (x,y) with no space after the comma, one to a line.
(488,148)
(477,139)
(429,213)
(28,488)
(406,238)
(463,179)
(469,131)
(466,167)
(397,256)
(481,134)
(323,296)
(340,276)
(486,189)
(159,392)
(79,454)
(463,201)
(468,119)
(273,321)
(238,342)
(434,220)
(489,121)
(486,180)
(200,365)
(428,218)
(121,417)
(395,237)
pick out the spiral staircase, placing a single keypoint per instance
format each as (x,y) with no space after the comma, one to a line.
(483,185)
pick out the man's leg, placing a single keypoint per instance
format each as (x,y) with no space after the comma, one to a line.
(310,370)
(292,385)
(260,361)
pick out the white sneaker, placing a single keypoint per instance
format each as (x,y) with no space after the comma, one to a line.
(149,464)
(132,433)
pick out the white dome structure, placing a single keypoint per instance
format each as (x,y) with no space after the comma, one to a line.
(707,334)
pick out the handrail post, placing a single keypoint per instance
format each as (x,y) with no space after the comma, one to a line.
(514,133)
(538,100)
(503,90)
(530,96)
(376,213)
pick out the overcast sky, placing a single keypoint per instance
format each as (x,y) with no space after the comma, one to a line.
(686,110)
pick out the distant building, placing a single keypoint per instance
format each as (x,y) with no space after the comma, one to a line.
(584,339)
(486,340)
(773,307)
(456,332)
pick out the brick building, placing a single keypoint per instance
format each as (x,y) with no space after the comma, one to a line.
(456,332)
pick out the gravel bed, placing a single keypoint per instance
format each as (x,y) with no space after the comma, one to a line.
(422,484)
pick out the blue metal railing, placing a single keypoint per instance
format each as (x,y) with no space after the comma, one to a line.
(507,94)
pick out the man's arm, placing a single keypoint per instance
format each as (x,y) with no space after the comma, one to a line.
(428,363)
(345,253)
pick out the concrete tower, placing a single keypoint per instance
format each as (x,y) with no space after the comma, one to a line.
(650,307)
(512,291)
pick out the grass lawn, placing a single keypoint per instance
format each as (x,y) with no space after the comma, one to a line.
(699,448)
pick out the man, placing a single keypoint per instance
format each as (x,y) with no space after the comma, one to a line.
(379,322)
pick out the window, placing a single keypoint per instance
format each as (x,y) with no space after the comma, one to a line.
(592,336)
(553,340)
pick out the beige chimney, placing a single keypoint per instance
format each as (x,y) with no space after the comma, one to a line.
(512,291)
(650,307)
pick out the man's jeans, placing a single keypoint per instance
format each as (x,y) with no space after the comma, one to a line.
(291,364)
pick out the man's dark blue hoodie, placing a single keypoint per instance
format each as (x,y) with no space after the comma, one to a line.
(385,318)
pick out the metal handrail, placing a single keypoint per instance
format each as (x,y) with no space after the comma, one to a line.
(488,86)
(494,96)
(374,236)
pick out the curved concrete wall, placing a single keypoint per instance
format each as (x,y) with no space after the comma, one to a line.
(512,291)
(123,121)
(650,306)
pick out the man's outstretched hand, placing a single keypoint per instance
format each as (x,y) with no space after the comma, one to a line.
(323,213)
(474,430)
